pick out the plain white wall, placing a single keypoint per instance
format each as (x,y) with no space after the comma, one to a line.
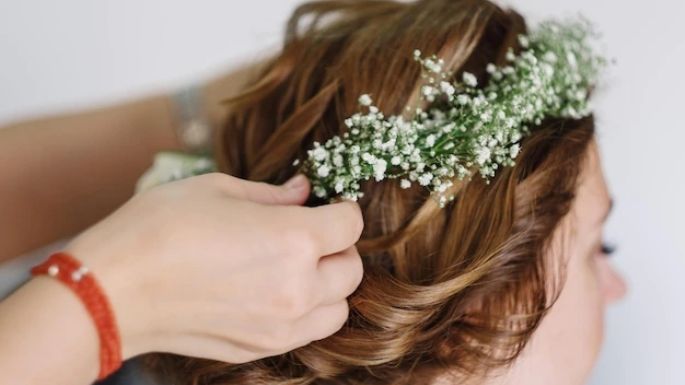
(77,53)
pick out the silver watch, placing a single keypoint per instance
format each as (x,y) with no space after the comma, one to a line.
(193,128)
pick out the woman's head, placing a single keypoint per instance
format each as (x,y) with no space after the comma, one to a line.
(564,347)
(459,289)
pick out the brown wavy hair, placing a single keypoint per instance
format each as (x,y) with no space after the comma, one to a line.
(456,290)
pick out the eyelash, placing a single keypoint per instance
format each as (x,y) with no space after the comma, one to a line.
(607,249)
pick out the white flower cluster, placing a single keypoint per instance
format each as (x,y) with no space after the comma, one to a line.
(466,127)
(169,166)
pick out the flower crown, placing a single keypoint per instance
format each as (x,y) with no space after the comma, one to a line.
(465,127)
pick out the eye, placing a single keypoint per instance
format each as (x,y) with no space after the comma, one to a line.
(607,249)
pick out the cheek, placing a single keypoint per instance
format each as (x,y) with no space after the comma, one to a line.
(583,313)
(570,336)
(593,293)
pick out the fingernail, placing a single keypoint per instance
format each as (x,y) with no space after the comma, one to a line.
(296,182)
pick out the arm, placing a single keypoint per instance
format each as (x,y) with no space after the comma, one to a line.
(166,295)
(47,336)
(62,174)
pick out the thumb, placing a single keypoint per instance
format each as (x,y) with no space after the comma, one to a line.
(293,192)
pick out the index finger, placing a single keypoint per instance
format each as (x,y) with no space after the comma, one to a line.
(335,226)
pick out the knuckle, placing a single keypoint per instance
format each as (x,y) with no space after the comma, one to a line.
(334,320)
(221,181)
(300,242)
(216,177)
(281,337)
(344,314)
(358,267)
(293,301)
(270,191)
(239,356)
(310,244)
(242,358)
(264,340)
(338,318)
(357,220)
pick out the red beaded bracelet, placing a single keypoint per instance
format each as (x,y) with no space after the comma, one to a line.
(71,272)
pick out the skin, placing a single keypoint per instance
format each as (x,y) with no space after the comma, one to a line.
(564,348)
(562,351)
(210,266)
(113,145)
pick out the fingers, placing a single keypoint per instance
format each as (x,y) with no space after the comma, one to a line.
(212,347)
(293,192)
(315,325)
(338,275)
(324,320)
(318,324)
(333,227)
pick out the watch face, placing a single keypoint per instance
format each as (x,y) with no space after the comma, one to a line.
(195,134)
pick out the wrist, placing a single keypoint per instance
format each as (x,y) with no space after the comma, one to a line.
(47,336)
(119,286)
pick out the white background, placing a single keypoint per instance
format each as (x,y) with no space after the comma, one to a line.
(77,53)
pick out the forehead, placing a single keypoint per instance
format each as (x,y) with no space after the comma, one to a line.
(592,199)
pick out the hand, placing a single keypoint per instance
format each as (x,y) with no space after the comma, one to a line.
(216,267)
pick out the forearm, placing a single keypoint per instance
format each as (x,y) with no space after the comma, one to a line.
(46,336)
(62,174)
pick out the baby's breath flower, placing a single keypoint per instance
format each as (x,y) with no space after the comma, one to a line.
(365,100)
(319,153)
(514,150)
(510,55)
(425,179)
(447,88)
(472,127)
(483,155)
(470,79)
(463,99)
(430,140)
(339,186)
(427,90)
(323,171)
(433,66)
(379,168)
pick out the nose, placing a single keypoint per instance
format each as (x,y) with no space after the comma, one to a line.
(614,286)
